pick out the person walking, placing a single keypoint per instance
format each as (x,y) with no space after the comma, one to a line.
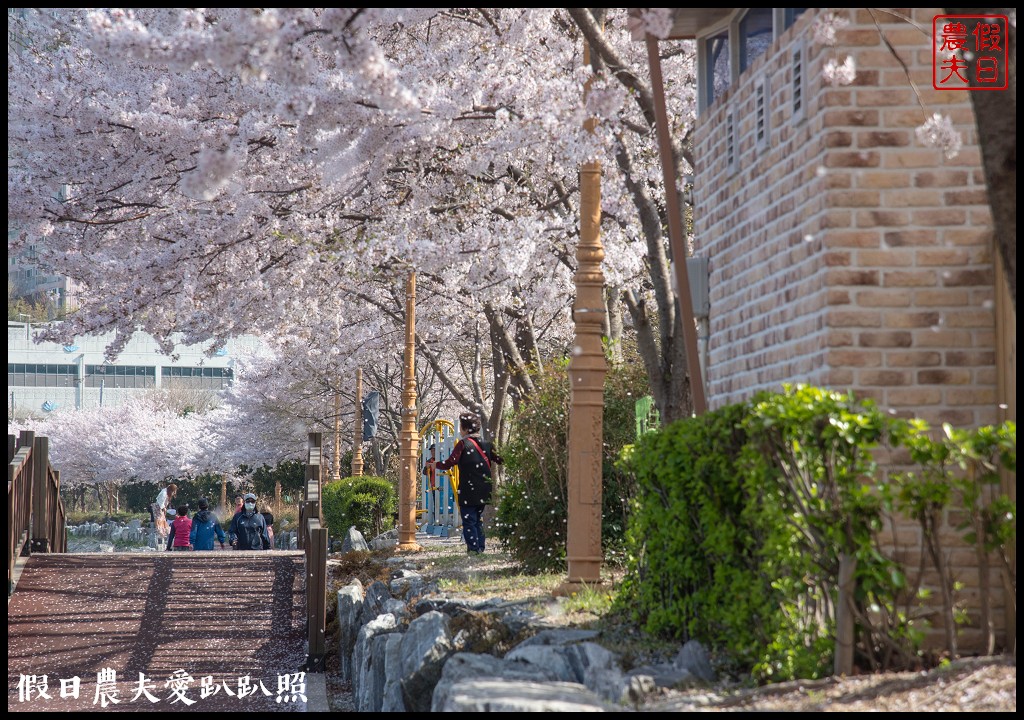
(206,527)
(475,459)
(158,511)
(248,529)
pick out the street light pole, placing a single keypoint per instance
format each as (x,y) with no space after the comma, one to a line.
(336,471)
(587,369)
(409,433)
(357,438)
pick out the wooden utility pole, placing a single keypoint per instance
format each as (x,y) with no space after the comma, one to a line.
(409,434)
(357,437)
(675,231)
(587,369)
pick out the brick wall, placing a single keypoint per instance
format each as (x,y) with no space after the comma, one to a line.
(842,252)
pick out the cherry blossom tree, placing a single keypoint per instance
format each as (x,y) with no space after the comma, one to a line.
(281,171)
(137,441)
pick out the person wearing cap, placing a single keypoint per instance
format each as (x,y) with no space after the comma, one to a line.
(205,527)
(474,458)
(248,529)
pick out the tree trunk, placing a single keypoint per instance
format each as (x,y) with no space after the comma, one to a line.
(613,323)
(995,114)
(843,660)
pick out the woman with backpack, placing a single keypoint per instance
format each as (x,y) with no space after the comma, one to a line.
(475,459)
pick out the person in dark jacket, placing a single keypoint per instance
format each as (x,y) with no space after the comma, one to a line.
(205,526)
(248,529)
(475,459)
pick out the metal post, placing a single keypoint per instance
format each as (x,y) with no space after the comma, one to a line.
(409,433)
(587,369)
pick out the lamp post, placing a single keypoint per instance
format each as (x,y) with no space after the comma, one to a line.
(587,369)
(336,470)
(357,437)
(409,434)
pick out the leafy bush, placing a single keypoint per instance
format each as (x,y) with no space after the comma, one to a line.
(367,502)
(747,516)
(960,469)
(692,567)
(810,459)
(532,504)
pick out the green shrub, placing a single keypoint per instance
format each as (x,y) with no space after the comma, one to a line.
(692,565)
(960,469)
(532,503)
(367,502)
(744,516)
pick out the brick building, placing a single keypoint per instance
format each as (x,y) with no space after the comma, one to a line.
(842,252)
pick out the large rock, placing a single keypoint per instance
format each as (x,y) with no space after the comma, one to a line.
(426,646)
(462,667)
(368,659)
(501,695)
(385,540)
(694,658)
(354,540)
(373,601)
(350,604)
(392,700)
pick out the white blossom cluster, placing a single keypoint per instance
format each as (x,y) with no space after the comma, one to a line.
(938,132)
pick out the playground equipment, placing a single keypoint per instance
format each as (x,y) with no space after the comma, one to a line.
(438,498)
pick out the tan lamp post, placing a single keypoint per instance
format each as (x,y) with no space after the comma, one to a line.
(336,468)
(586,373)
(409,434)
(357,438)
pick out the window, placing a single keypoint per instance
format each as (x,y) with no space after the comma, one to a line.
(730,142)
(719,74)
(137,377)
(798,83)
(41,375)
(791,15)
(761,129)
(755,35)
(210,378)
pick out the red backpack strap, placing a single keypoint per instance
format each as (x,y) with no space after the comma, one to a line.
(480,450)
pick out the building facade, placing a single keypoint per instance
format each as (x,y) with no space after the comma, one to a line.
(47,377)
(842,252)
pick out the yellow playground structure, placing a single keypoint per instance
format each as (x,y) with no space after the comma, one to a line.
(437,501)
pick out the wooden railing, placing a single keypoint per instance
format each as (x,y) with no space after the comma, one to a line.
(35,511)
(313,541)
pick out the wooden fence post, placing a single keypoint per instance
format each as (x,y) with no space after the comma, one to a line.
(316,595)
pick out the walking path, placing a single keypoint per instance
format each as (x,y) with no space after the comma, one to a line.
(205,629)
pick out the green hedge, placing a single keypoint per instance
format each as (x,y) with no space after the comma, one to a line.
(744,515)
(366,502)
